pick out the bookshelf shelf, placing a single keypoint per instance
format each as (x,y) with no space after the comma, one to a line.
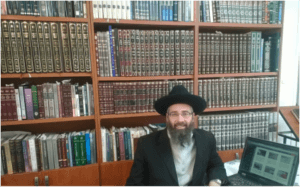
(38,18)
(131,115)
(238,75)
(43,75)
(143,22)
(238,26)
(52,120)
(144,78)
(239,108)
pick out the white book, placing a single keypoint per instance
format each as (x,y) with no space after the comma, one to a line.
(77,105)
(114,9)
(46,101)
(119,10)
(95,9)
(104,9)
(22,102)
(19,113)
(92,147)
(73,99)
(100,10)
(84,100)
(60,104)
(103,140)
(56,106)
(33,158)
(50,151)
(132,142)
(55,151)
(88,98)
(108,9)
(123,7)
(192,10)
(211,12)
(128,10)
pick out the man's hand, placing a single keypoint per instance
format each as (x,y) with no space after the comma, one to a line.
(213,183)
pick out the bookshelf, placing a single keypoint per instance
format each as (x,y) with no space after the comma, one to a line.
(116,173)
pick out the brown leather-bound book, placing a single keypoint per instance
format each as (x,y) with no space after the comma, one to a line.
(19,153)
(123,108)
(38,153)
(147,94)
(187,52)
(60,151)
(3,105)
(156,53)
(41,101)
(147,53)
(121,52)
(161,53)
(64,150)
(8,103)
(172,52)
(151,53)
(142,53)
(212,53)
(167,52)
(13,103)
(134,97)
(66,47)
(121,143)
(204,51)
(133,53)
(143,97)
(13,154)
(191,52)
(67,100)
(126,44)
(101,97)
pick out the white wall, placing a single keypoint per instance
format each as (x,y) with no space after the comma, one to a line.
(289,58)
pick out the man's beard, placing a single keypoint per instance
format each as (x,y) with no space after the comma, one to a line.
(181,136)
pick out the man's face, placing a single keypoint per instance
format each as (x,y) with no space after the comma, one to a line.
(180,122)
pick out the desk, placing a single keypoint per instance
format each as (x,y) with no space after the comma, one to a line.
(289,118)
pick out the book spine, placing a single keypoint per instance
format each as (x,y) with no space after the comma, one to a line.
(66,51)
(40,101)
(13,103)
(73,45)
(182,53)
(35,47)
(18,105)
(257,52)
(7,47)
(88,148)
(156,53)
(80,47)
(33,158)
(48,47)
(14,47)
(55,97)
(28,101)
(8,158)
(112,51)
(35,102)
(56,47)
(41,43)
(85,34)
(83,159)
(161,53)
(46,100)
(172,52)
(51,105)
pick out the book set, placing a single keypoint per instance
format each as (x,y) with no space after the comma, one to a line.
(135,97)
(145,10)
(231,130)
(44,47)
(45,8)
(47,100)
(120,143)
(232,92)
(121,52)
(252,12)
(238,53)
(47,151)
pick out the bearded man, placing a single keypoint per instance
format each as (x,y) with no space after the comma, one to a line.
(179,155)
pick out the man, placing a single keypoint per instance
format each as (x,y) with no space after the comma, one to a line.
(180,154)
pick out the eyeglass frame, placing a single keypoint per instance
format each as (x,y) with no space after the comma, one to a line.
(185,116)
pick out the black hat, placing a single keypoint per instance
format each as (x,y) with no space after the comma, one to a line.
(180,95)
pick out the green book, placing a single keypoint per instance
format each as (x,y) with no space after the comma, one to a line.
(257,52)
(35,101)
(77,150)
(82,150)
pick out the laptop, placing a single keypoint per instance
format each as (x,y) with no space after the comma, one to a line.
(266,163)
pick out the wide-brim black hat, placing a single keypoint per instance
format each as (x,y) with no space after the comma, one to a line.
(180,95)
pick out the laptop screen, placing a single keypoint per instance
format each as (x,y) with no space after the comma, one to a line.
(269,162)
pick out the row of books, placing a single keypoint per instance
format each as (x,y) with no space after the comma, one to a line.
(122,52)
(43,47)
(231,130)
(253,12)
(145,10)
(135,97)
(232,92)
(45,8)
(48,100)
(40,152)
(120,143)
(238,53)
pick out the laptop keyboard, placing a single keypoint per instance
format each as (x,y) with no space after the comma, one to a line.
(237,180)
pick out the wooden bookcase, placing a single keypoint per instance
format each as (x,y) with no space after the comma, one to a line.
(116,173)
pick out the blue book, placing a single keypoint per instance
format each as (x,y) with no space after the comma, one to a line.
(203,11)
(280,12)
(132,10)
(70,153)
(160,12)
(175,10)
(167,10)
(171,11)
(88,147)
(126,145)
(107,148)
(151,11)
(112,51)
(129,145)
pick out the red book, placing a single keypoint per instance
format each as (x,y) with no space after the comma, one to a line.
(59,98)
(13,102)
(128,51)
(8,103)
(59,149)
(101,97)
(121,143)
(111,98)
(116,92)
(3,105)
(64,151)
(121,52)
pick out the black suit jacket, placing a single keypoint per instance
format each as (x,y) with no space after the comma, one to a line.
(154,165)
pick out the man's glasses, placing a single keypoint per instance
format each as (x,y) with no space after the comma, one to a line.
(183,114)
